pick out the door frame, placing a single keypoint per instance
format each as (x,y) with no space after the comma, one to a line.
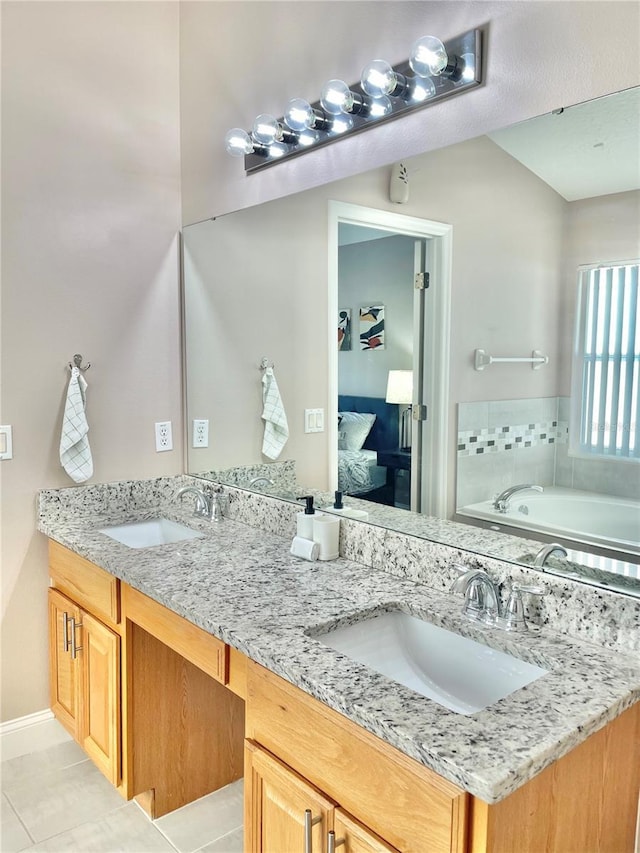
(437,332)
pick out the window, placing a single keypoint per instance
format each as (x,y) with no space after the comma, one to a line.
(606,364)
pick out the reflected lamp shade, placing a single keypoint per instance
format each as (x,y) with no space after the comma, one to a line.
(400,387)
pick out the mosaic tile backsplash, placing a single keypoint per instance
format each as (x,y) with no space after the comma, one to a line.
(511,437)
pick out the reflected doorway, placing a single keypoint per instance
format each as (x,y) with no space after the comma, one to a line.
(390,296)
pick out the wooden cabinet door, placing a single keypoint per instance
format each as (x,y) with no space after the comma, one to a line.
(352,837)
(64,673)
(276,800)
(99,653)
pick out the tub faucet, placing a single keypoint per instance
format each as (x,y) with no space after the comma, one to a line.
(480,594)
(541,557)
(501,502)
(257,480)
(207,502)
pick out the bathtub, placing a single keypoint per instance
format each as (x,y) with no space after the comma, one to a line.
(567,515)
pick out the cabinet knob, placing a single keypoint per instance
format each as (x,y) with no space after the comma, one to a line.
(309,823)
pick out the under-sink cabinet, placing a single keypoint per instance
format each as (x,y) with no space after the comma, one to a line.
(85,658)
(403,805)
(283,808)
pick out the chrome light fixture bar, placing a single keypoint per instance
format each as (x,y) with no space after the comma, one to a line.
(433,72)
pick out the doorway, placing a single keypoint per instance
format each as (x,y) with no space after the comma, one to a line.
(414,340)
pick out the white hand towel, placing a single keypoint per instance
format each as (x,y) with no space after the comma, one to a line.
(276,428)
(75,453)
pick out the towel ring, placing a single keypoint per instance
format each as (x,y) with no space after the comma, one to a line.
(264,364)
(77,362)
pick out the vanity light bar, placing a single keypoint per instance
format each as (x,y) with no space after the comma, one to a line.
(272,140)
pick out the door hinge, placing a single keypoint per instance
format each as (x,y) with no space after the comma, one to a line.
(421,281)
(418,412)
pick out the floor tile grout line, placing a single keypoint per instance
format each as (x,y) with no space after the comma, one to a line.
(76,826)
(19,819)
(219,838)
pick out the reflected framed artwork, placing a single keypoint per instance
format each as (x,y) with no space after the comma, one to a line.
(372,327)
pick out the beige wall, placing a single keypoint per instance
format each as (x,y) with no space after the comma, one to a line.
(90,195)
(90,204)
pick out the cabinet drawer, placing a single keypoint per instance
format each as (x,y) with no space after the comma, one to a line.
(404,802)
(88,585)
(194,644)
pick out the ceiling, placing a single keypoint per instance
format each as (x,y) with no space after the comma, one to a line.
(588,150)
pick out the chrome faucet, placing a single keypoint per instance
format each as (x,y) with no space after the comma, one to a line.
(546,551)
(480,594)
(207,502)
(481,600)
(501,502)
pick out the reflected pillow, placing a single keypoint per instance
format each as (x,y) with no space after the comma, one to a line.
(353,429)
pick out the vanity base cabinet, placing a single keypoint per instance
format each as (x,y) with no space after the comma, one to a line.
(281,807)
(85,681)
(585,802)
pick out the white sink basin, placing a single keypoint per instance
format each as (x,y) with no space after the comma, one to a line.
(146,534)
(461,674)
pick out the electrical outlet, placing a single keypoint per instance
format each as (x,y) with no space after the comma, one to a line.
(164,438)
(200,432)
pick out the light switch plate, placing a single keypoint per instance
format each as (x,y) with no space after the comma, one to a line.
(314,420)
(6,442)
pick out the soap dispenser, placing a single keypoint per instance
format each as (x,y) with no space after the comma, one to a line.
(304,520)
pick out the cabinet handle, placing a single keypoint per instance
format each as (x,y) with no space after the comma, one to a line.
(309,823)
(332,843)
(74,649)
(65,630)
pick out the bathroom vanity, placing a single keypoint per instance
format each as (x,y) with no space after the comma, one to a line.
(184,666)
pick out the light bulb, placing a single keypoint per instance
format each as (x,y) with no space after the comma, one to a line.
(380,107)
(428,57)
(266,129)
(378,79)
(341,124)
(299,114)
(468,68)
(308,137)
(237,142)
(336,98)
(420,89)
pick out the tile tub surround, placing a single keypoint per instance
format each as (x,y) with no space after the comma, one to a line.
(241,584)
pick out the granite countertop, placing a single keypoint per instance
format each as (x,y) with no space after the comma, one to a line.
(242,585)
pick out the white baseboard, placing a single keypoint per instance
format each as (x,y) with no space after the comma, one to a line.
(25,722)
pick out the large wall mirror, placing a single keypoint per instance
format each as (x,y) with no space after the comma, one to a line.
(513,217)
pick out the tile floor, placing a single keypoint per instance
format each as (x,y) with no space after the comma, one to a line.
(54,799)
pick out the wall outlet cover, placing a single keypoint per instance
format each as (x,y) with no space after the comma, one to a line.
(164,437)
(200,432)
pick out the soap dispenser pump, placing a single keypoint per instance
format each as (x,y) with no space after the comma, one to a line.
(304,519)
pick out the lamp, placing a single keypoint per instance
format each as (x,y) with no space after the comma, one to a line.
(400,391)
(434,71)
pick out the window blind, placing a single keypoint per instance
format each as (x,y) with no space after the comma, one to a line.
(606,374)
